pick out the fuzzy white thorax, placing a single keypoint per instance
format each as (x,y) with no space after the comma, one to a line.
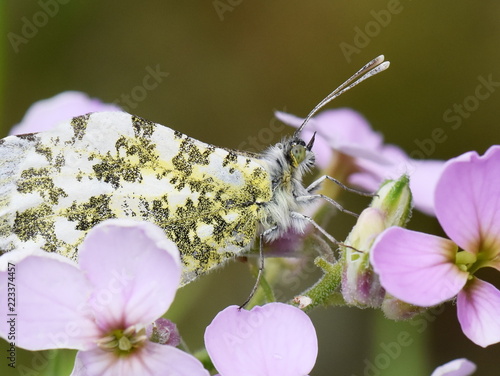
(287,186)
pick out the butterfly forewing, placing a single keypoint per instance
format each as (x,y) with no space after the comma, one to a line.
(57,185)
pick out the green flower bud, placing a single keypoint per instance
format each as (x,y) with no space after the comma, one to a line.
(394,200)
(390,207)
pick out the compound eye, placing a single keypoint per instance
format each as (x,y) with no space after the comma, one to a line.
(297,154)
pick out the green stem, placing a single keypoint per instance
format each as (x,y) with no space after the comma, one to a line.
(61,362)
(327,289)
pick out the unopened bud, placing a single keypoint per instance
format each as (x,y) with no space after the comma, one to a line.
(398,310)
(394,199)
(390,207)
(164,332)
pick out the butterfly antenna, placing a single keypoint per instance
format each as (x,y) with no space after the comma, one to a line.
(375,66)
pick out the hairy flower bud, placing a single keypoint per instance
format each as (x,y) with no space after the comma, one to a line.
(390,207)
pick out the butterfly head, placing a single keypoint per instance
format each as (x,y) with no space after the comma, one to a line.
(299,154)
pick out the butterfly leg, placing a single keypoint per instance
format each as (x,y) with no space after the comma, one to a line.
(305,218)
(261,263)
(321,229)
(315,185)
(310,198)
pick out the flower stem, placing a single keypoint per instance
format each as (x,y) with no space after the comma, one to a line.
(327,289)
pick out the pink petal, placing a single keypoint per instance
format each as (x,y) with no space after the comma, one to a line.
(45,114)
(371,173)
(151,360)
(323,151)
(417,268)
(365,180)
(457,367)
(276,339)
(424,175)
(289,119)
(478,307)
(348,132)
(48,296)
(468,201)
(345,128)
(134,269)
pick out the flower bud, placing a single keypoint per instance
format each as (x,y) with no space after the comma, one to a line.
(164,332)
(394,200)
(396,309)
(390,207)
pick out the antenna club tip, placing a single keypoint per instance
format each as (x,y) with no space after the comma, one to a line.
(379,59)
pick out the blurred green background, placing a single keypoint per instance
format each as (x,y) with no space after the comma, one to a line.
(230,64)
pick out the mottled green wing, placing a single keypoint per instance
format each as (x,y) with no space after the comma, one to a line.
(56,185)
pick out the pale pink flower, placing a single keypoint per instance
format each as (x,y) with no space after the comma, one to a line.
(457,367)
(369,161)
(47,113)
(127,276)
(426,270)
(275,339)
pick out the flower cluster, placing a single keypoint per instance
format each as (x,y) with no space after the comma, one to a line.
(107,309)
(126,278)
(347,146)
(426,270)
(109,305)
(401,270)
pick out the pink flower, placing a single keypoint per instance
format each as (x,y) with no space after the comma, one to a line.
(426,270)
(45,114)
(275,339)
(369,161)
(457,367)
(127,277)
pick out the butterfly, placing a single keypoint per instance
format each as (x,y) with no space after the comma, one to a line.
(211,201)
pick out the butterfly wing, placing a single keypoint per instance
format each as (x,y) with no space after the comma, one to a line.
(56,185)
